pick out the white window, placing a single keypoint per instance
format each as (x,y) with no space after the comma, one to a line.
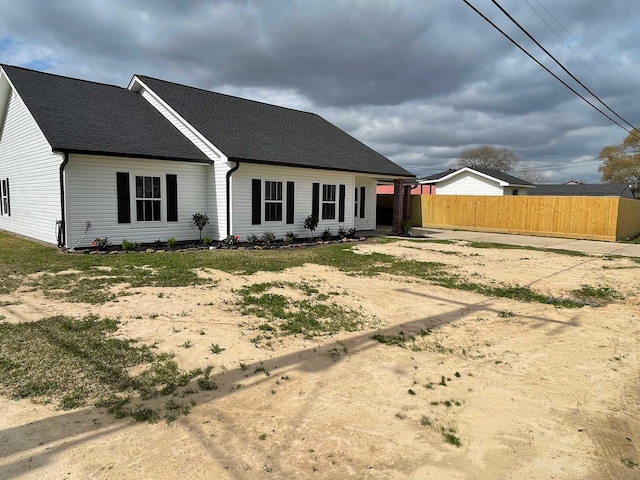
(328,202)
(272,201)
(4,198)
(148,199)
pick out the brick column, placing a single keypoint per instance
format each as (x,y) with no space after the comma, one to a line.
(406,212)
(398,206)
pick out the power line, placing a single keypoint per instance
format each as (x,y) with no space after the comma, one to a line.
(560,36)
(547,69)
(558,62)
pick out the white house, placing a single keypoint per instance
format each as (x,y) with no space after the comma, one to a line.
(476,181)
(81,160)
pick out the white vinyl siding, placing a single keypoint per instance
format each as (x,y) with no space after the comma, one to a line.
(368,222)
(27,161)
(468,183)
(303,179)
(92,197)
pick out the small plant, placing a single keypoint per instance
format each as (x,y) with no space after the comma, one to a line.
(252,239)
(627,462)
(268,237)
(505,314)
(411,391)
(187,344)
(450,436)
(199,221)
(216,349)
(127,245)
(346,232)
(101,243)
(262,436)
(206,383)
(231,240)
(311,223)
(406,227)
(171,242)
(425,421)
(206,241)
(290,237)
(443,381)
(326,235)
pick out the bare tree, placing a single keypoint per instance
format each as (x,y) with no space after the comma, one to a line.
(488,156)
(533,176)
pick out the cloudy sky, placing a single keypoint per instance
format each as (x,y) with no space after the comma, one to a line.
(419,81)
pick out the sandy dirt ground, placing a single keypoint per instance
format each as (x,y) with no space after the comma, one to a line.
(532,391)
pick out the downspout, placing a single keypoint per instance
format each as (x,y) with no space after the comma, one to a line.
(229,173)
(61,224)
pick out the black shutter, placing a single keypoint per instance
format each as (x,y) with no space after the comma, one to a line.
(1,193)
(124,200)
(315,202)
(341,197)
(362,197)
(172,198)
(8,199)
(256,201)
(290,200)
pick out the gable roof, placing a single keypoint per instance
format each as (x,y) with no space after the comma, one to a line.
(80,116)
(504,179)
(584,189)
(256,132)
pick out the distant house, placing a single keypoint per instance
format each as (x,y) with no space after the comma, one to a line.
(81,160)
(477,181)
(419,189)
(584,190)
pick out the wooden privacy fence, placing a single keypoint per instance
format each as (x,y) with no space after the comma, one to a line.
(593,218)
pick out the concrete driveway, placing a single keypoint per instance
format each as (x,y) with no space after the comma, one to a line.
(591,247)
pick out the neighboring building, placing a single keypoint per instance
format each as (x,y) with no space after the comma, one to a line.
(584,190)
(477,181)
(81,160)
(415,189)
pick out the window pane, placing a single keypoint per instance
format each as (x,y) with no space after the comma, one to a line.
(140,210)
(139,190)
(267,190)
(156,187)
(273,212)
(156,211)
(328,211)
(279,190)
(329,193)
(147,187)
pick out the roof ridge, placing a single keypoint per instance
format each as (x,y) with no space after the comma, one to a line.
(66,77)
(226,95)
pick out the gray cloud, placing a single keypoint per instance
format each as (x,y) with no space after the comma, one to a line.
(418,81)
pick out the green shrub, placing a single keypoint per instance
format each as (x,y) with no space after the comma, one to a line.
(171,242)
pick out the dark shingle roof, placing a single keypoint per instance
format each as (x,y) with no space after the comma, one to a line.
(88,117)
(583,189)
(505,177)
(262,133)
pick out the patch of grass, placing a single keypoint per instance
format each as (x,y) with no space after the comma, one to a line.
(66,359)
(8,303)
(426,421)
(450,436)
(627,462)
(216,349)
(505,314)
(596,296)
(313,315)
(400,340)
(186,344)
(505,246)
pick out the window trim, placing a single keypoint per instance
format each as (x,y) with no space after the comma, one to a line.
(328,201)
(161,200)
(5,200)
(273,197)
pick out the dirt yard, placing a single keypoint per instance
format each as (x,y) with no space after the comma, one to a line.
(461,386)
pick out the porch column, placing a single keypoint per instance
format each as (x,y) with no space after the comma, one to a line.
(398,206)
(406,207)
